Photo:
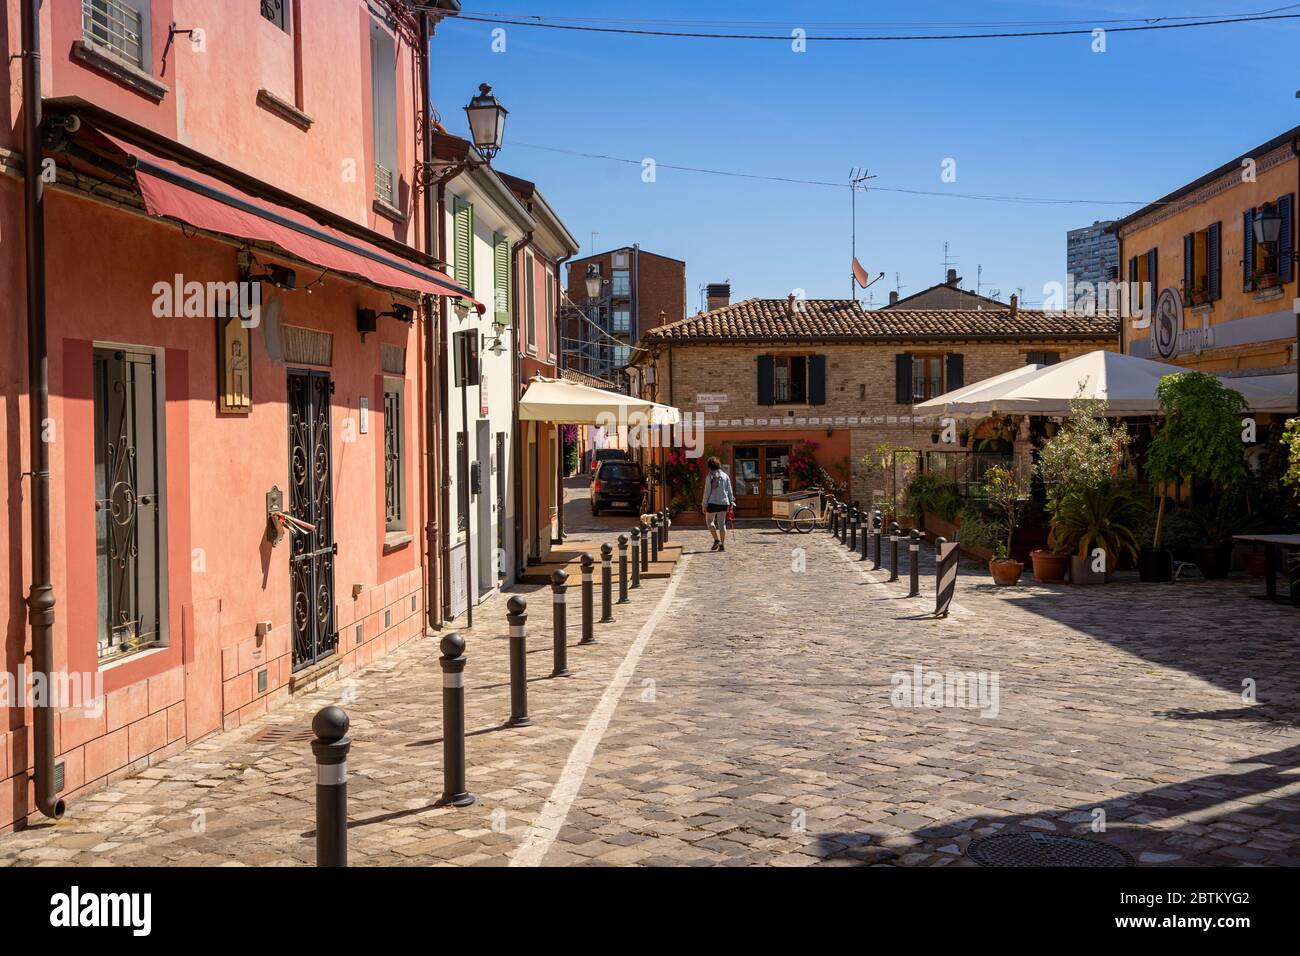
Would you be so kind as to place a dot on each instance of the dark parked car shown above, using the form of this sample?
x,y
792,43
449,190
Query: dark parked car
x,y
607,454
617,481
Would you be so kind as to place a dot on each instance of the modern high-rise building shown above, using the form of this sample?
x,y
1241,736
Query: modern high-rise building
x,y
635,291
1092,253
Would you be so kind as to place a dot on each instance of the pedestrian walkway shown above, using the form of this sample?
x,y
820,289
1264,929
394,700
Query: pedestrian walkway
x,y
770,705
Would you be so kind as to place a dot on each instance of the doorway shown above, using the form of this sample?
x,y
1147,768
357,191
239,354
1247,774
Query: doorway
x,y
311,499
487,539
758,473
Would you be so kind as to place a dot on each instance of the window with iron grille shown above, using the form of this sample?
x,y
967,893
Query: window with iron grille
x,y
119,26
394,486
129,525
277,11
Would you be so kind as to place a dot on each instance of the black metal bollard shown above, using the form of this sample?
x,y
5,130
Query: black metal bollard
x,y
517,618
453,662
832,511
560,625
866,536
893,551
667,521
588,599
606,583
622,569
636,556
645,550
914,563
654,539
854,521
876,533
331,748
844,525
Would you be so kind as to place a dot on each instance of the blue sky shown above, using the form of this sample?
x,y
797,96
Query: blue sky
x,y
1023,117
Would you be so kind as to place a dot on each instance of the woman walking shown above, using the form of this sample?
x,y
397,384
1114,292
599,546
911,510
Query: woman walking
x,y
718,498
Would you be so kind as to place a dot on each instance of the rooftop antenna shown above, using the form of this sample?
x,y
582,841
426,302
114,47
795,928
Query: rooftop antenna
x,y
856,178
948,260
594,234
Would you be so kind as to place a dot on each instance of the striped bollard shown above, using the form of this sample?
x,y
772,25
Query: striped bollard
x,y
560,623
914,563
622,569
636,556
893,551
588,599
517,619
331,748
453,662
946,555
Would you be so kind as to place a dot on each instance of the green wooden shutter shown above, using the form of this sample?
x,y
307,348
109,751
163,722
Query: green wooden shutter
x,y
1189,263
1248,250
463,243
1151,277
1213,257
903,378
1285,238
817,380
501,279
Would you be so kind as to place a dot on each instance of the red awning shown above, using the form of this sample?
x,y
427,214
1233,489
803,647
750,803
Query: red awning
x,y
172,189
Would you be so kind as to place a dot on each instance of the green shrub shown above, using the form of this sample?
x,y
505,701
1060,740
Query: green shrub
x,y
980,532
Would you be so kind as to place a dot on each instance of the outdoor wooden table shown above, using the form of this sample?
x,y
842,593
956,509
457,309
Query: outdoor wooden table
x,y
1273,543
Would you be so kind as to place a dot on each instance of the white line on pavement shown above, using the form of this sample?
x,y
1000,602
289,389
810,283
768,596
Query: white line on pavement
x,y
548,823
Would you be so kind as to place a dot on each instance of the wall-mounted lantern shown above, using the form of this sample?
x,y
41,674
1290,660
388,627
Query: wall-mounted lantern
x,y
487,121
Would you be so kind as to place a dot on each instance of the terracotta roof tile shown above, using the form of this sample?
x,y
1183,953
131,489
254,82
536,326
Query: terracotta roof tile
x,y
582,378
771,320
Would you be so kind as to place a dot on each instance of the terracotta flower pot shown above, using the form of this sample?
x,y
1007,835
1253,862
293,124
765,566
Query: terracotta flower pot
x,y
1081,571
1049,566
1005,573
1255,564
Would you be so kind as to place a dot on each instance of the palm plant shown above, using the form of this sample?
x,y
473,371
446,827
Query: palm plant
x,y
1104,516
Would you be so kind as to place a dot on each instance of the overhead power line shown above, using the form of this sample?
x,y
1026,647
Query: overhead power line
x,y
531,21
985,197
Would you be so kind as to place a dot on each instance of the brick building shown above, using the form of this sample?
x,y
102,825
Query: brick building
x,y
945,295
769,374
639,291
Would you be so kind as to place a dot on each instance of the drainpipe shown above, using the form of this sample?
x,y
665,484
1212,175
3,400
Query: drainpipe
x,y
436,447
559,434
40,599
521,441
444,480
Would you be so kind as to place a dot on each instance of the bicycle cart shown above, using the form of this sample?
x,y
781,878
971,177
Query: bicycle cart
x,y
799,511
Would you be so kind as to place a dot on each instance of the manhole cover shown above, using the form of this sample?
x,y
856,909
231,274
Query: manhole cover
x,y
1045,849
279,735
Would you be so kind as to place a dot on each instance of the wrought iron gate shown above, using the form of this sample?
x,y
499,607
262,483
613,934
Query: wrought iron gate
x,y
311,559
128,483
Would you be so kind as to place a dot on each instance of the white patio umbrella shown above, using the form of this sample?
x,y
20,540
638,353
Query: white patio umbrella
x,y
1125,382
947,403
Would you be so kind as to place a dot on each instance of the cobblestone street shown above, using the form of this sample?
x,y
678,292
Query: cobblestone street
x,y
744,712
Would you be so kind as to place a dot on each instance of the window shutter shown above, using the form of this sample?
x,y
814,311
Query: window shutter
x,y
1189,262
501,279
765,396
1248,250
463,243
1213,267
1151,277
956,376
903,378
1285,239
817,380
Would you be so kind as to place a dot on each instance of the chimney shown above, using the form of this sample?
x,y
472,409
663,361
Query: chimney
x,y
1015,304
789,304
719,295
953,278
893,297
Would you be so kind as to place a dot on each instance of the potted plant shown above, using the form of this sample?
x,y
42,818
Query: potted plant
x,y
963,437
1200,438
1265,280
1084,452
1098,517
1007,491
934,437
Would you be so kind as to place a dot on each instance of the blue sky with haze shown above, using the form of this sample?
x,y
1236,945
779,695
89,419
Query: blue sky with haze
x,y
1043,117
